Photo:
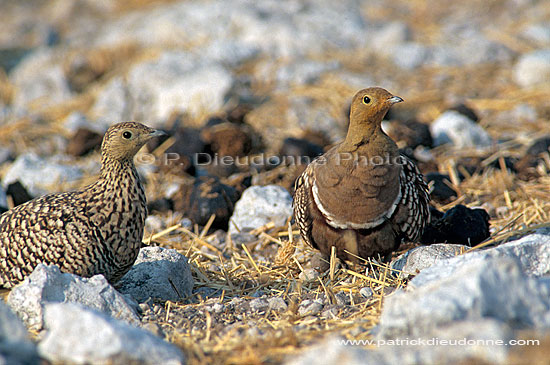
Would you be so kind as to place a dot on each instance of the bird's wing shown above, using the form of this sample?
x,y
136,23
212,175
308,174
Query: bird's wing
x,y
415,197
301,205
359,194
36,232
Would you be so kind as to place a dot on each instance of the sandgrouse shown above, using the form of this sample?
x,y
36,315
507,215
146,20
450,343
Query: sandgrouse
x,y
362,196
96,230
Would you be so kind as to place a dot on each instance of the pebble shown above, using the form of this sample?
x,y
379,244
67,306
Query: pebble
x,y
450,227
260,205
310,307
29,170
108,341
459,130
366,292
159,273
533,68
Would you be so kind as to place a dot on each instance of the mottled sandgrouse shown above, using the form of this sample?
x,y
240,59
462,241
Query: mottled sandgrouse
x,y
362,196
96,230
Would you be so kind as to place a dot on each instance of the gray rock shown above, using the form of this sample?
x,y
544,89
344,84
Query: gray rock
x,y
5,154
40,81
410,55
260,205
305,114
298,72
419,258
310,307
470,341
15,347
457,129
77,120
531,251
158,273
259,304
533,68
280,29
113,103
48,284
277,304
177,82
366,292
538,33
335,351
228,52
40,175
390,35
309,274
107,341
3,198
480,289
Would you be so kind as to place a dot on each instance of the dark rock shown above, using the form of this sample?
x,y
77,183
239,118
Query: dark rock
x,y
18,193
541,145
10,57
204,196
410,133
466,111
160,205
83,69
3,209
297,148
459,225
83,142
214,120
228,139
187,150
441,190
526,167
316,137
238,113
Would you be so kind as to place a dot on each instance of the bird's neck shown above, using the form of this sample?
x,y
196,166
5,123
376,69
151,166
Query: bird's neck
x,y
359,134
115,172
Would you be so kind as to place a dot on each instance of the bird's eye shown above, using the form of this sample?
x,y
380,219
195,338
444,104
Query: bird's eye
x,y
366,99
127,135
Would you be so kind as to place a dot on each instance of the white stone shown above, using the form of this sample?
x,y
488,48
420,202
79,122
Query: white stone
x,y
47,284
39,81
158,273
15,346
113,104
460,131
533,68
480,289
419,258
79,335
260,205
531,251
177,82
40,175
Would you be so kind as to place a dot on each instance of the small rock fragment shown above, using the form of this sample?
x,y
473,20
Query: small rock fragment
x,y
159,273
260,205
460,225
108,341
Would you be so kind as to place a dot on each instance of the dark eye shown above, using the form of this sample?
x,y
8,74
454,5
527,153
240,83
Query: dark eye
x,y
366,99
127,135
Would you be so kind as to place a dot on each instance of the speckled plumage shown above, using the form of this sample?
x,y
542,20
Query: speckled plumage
x,y
96,230
362,196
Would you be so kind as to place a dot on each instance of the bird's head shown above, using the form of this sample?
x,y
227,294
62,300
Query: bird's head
x,y
370,105
123,140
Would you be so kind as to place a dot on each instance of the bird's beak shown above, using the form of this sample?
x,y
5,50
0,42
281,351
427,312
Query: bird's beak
x,y
395,99
157,133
